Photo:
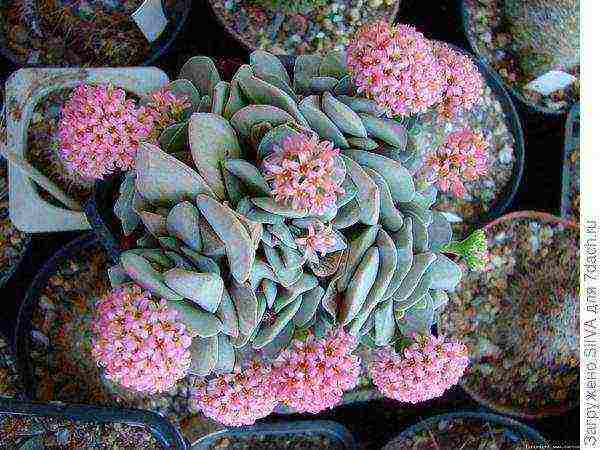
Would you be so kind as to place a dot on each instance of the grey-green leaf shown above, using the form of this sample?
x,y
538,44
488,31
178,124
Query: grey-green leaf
x,y
220,97
269,332
162,178
202,72
403,240
322,124
246,306
386,130
308,308
400,181
198,321
385,326
445,273
391,219
205,354
238,244
226,353
183,222
204,289
212,140
342,116
140,271
368,196
228,316
249,116
358,288
359,245
249,175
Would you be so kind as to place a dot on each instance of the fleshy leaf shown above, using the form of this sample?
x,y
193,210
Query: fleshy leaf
x,y
386,130
202,72
212,140
249,116
342,116
320,123
183,222
161,178
142,272
205,354
359,285
198,321
204,289
368,192
238,244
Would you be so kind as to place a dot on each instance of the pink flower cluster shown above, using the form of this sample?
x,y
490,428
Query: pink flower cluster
x,y
239,398
302,172
100,130
464,82
166,108
140,342
423,371
396,66
462,157
319,239
312,376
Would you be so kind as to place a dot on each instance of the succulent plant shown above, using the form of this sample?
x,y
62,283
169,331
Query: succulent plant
x,y
545,34
291,7
284,208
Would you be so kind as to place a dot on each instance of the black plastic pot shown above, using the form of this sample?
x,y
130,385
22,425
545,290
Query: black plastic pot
x,y
23,327
532,107
99,209
162,430
177,19
517,427
325,428
571,143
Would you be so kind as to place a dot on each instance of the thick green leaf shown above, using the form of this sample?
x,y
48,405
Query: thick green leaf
x,y
342,116
202,72
205,354
183,223
368,196
358,288
204,289
140,271
198,321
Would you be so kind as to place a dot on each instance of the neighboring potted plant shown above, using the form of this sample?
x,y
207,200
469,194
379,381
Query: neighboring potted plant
x,y
299,27
520,317
532,44
89,33
466,430
49,179
313,434
27,425
570,197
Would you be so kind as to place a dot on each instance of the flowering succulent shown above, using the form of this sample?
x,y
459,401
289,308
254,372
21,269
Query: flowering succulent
x,y
462,157
237,398
284,206
100,131
140,342
422,371
312,375
302,173
397,66
464,84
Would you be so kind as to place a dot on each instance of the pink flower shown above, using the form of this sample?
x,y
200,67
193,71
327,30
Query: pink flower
x,y
100,130
312,376
139,342
320,240
424,370
302,173
239,398
396,66
462,157
464,82
165,109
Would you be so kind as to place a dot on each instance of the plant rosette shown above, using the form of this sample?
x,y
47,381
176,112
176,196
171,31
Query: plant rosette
x,y
524,46
87,33
45,149
299,27
466,430
570,197
520,317
14,243
282,246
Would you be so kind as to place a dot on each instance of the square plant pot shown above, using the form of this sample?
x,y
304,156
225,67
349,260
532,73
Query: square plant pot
x,y
24,90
